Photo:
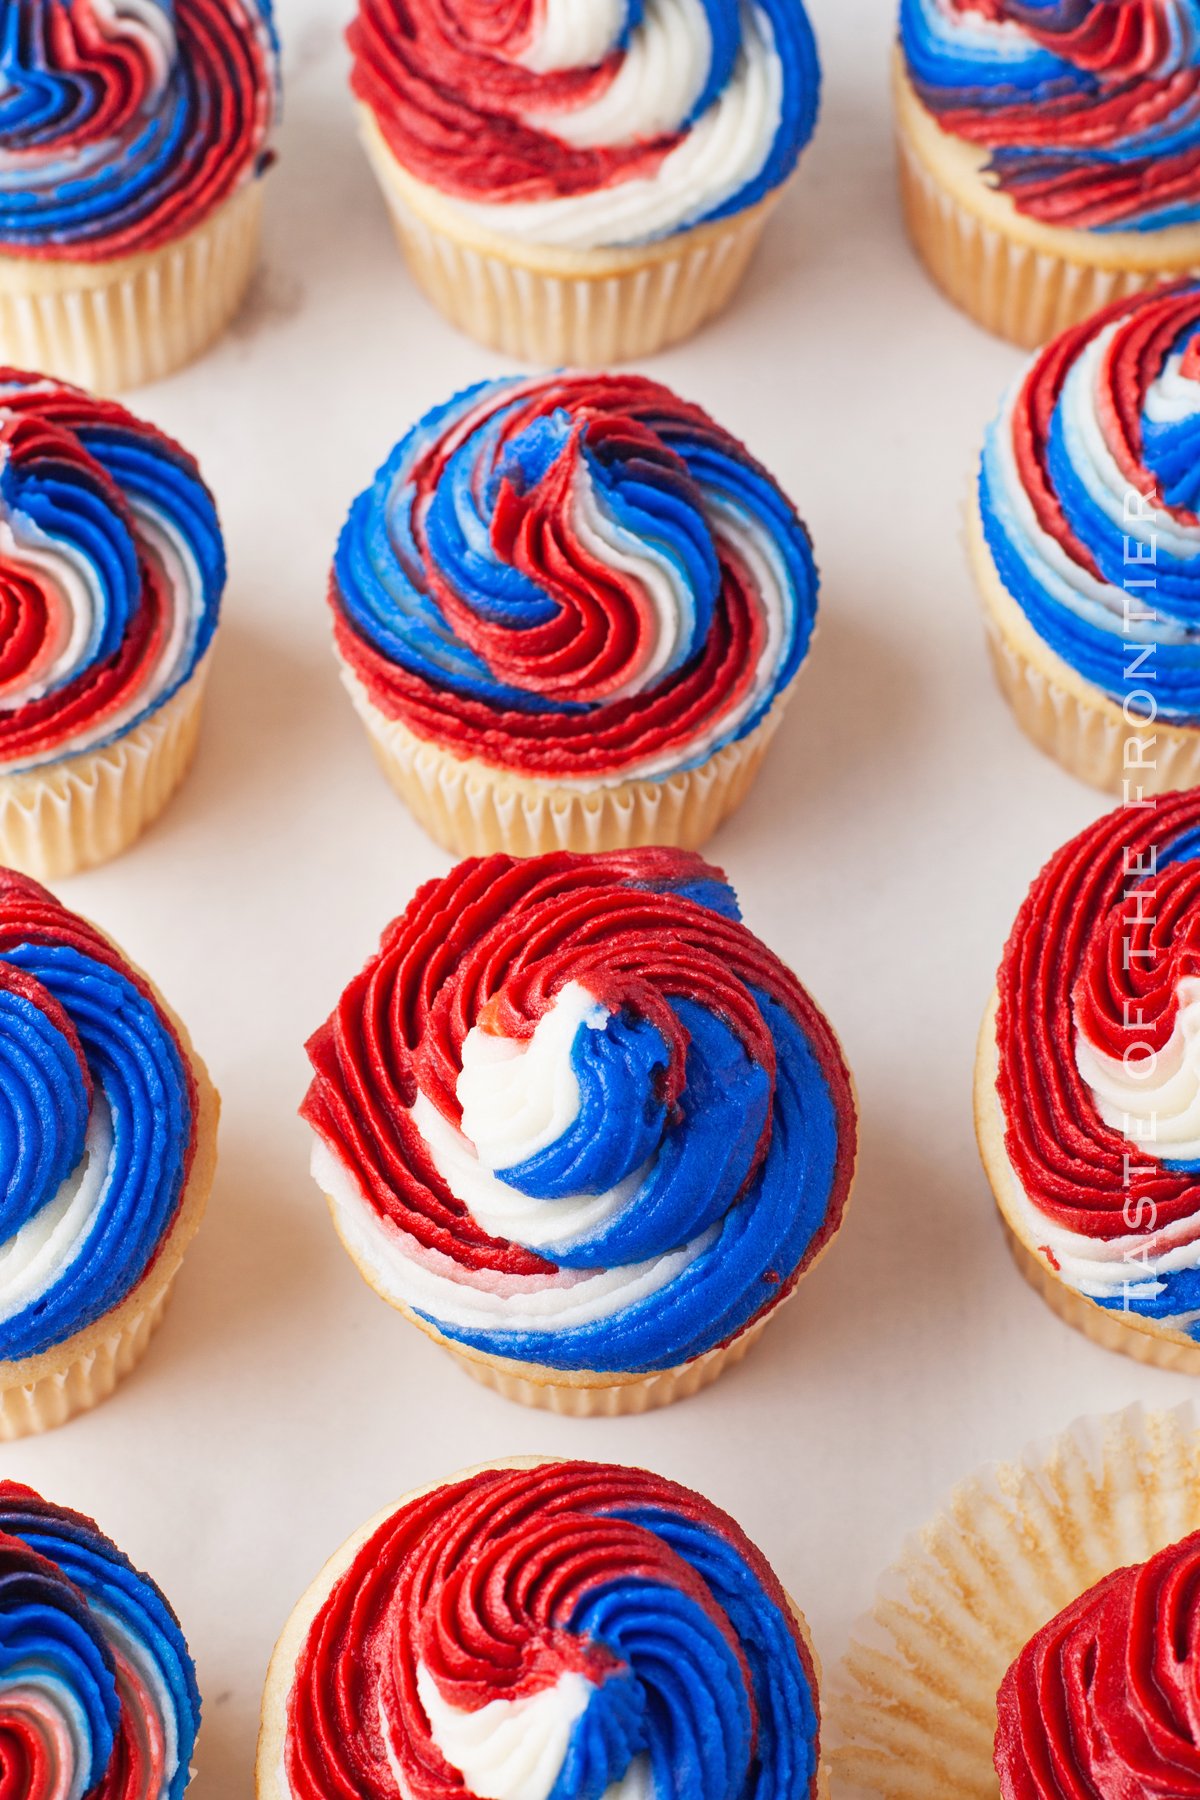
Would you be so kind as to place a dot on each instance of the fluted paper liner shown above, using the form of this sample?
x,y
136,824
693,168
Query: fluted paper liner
x,y
913,1707
40,1392
70,815
539,305
1146,1340
270,1782
1064,715
472,808
114,325
1017,277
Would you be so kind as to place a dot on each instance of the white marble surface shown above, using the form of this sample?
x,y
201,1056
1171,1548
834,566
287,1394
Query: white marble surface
x,y
884,853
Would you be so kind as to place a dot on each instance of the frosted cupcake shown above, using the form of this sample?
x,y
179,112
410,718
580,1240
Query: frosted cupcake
x,y
1085,546
1040,1638
106,1159
1049,153
132,142
1087,1083
582,181
98,1694
112,567
569,612
578,1124
544,1628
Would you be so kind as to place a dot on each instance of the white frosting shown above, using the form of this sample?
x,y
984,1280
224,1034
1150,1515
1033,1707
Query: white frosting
x,y
36,1257
719,155
1153,1100
520,1096
660,79
433,1284
574,34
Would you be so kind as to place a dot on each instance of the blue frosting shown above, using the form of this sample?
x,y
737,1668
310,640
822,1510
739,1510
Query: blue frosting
x,y
959,64
796,47
1099,641
681,1697
394,537
140,1080
61,1618
71,187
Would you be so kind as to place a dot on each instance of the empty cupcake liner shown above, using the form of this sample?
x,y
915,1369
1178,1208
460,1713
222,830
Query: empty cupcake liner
x,y
1031,282
1144,1339
913,1705
584,308
44,1391
473,809
1064,715
65,816
113,325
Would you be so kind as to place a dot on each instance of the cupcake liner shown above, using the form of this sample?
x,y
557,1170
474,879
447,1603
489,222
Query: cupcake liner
x,y
583,308
1064,715
1144,1339
913,1707
40,1392
70,815
270,1782
113,325
1028,282
473,809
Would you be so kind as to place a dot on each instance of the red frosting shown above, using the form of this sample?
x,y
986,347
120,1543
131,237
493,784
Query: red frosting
x,y
1104,1703
1108,930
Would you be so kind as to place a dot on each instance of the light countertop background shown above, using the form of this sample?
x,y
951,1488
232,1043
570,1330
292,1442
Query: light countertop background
x,y
883,853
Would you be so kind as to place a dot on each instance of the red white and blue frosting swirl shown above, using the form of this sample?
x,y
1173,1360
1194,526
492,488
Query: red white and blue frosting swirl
x,y
560,1632
98,1696
575,576
591,123
1089,110
1098,1035
574,1113
97,1122
1088,491
112,567
123,123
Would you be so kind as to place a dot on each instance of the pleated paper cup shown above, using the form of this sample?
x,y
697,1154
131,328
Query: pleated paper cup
x,y
1020,279
541,305
1146,1340
40,1392
70,815
114,325
1091,735
270,1779
913,1707
473,808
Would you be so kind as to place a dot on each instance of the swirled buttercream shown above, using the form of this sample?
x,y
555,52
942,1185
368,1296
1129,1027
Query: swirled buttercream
x,y
97,1123
590,125
577,577
123,123
574,1113
112,567
98,1697
561,1632
1088,493
1089,110
1099,1063
1104,1703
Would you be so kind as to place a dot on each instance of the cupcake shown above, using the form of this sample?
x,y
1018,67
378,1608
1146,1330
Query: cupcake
x,y
132,139
1085,546
1087,1083
98,1696
582,184
579,1125
111,573
1041,1638
538,1628
569,612
106,1160
1049,153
